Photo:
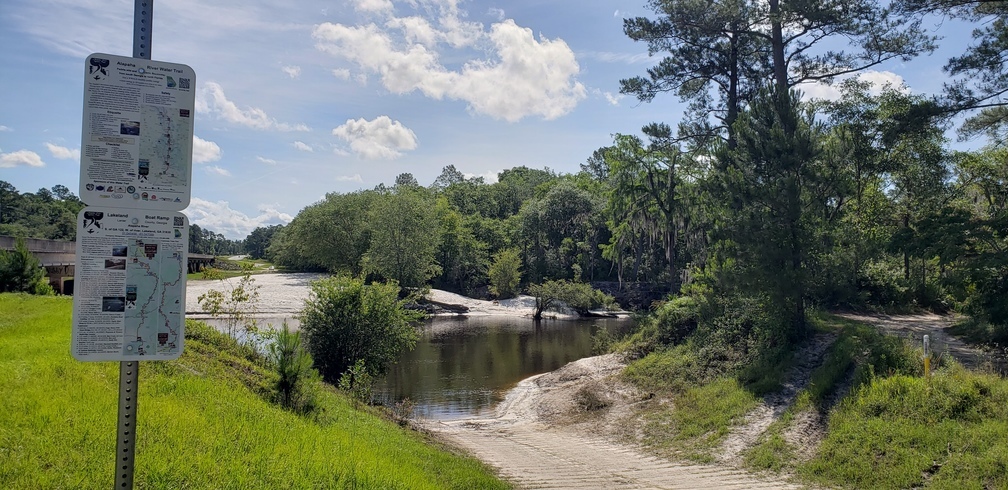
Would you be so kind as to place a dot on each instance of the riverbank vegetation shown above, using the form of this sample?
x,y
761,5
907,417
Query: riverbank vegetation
x,y
207,419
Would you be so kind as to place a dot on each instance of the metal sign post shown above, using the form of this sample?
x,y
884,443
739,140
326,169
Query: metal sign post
x,y
129,371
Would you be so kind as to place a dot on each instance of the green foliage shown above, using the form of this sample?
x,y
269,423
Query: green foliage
x,y
20,271
256,243
345,321
578,296
204,241
48,213
462,257
200,423
297,381
404,238
667,326
357,383
505,274
948,431
236,305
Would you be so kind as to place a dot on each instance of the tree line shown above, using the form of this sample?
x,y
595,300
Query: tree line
x,y
758,193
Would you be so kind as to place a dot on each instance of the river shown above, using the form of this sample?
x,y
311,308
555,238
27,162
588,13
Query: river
x,y
461,366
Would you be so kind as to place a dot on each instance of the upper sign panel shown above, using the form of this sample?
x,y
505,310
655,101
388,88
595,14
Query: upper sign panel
x,y
136,143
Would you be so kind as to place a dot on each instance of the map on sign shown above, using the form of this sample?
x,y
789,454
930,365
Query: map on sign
x,y
165,148
129,293
154,304
137,133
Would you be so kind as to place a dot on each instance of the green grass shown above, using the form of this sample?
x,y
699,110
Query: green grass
x,y
902,431
203,421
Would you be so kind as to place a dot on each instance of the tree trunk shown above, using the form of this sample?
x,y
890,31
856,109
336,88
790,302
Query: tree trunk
x,y
777,46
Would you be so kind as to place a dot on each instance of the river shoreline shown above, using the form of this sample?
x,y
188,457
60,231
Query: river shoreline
x,y
282,295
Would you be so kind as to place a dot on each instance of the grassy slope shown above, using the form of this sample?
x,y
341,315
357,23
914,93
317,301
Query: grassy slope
x,y
895,429
200,424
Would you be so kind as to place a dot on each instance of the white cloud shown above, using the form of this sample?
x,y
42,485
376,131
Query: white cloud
x,y
341,73
380,138
212,100
63,153
4,128
878,80
214,169
489,177
204,151
349,178
613,99
219,217
292,71
20,157
377,6
299,145
267,161
523,76
496,13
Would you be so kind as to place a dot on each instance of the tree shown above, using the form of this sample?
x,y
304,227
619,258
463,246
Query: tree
x,y
296,382
980,74
345,321
720,53
20,271
256,243
766,180
578,296
463,258
449,176
505,273
404,238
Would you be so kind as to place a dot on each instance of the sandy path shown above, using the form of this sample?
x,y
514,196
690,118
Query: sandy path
x,y
532,453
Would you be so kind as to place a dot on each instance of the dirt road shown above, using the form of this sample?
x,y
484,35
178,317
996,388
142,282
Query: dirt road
x,y
533,453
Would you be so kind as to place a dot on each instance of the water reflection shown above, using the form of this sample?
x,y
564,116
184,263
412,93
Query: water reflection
x,y
462,367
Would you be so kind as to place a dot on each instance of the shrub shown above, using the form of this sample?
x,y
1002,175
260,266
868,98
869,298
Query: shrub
x,y
20,271
505,274
357,383
297,384
345,321
236,306
578,296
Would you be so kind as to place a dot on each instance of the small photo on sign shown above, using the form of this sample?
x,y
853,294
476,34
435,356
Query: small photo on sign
x,y
119,251
113,303
115,264
131,128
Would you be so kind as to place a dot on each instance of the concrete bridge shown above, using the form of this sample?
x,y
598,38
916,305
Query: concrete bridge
x,y
58,259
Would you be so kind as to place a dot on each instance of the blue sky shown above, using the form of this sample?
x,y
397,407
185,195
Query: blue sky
x,y
297,99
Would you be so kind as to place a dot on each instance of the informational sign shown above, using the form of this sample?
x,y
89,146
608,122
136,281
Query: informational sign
x,y
136,143
129,296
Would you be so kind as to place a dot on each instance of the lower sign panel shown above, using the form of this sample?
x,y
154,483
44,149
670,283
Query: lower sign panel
x,y
130,275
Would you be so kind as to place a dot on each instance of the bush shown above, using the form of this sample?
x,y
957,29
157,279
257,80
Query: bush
x,y
505,274
20,271
345,321
297,384
357,383
578,296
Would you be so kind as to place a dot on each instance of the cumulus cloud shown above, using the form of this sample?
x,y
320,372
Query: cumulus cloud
x,y
300,145
212,100
267,161
219,217
214,169
21,157
521,76
204,151
612,98
292,71
380,138
349,178
376,6
877,79
63,153
489,177
341,73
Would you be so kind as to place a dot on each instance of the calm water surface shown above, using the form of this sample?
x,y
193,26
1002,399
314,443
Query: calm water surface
x,y
463,366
